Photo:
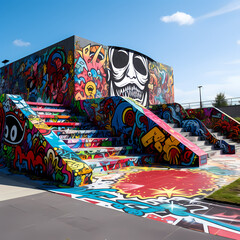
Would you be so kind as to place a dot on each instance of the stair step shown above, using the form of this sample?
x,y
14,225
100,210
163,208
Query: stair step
x,y
193,138
93,142
53,116
50,110
179,130
63,124
70,126
60,117
201,144
63,134
173,125
214,132
186,134
100,152
44,104
207,148
198,141
112,163
116,162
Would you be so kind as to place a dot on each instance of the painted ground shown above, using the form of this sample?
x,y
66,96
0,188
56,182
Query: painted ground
x,y
174,196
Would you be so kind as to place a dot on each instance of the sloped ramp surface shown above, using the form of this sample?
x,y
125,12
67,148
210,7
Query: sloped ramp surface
x,y
29,145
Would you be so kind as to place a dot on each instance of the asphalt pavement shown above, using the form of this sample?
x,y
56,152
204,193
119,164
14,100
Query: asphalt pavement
x,y
29,213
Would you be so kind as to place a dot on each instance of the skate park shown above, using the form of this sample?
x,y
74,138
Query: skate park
x,y
99,124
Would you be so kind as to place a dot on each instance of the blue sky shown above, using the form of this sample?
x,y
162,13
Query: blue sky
x,y
200,39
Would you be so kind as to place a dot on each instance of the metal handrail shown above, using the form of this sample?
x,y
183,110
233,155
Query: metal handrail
x,y
209,103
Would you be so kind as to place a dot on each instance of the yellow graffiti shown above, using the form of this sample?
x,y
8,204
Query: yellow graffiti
x,y
124,113
78,167
90,89
156,136
38,122
53,159
170,146
87,52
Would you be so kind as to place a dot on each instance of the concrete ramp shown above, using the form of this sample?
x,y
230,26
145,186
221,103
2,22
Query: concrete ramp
x,y
29,145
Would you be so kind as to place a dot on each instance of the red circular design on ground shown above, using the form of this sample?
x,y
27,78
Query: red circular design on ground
x,y
165,183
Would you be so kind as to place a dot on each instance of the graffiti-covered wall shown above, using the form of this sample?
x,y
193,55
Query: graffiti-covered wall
x,y
217,120
90,75
45,76
175,113
102,71
77,69
27,144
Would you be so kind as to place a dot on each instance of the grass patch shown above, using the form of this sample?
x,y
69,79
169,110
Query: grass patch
x,y
229,193
237,118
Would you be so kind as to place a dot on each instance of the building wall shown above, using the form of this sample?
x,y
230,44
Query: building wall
x,y
90,75
102,71
77,69
45,76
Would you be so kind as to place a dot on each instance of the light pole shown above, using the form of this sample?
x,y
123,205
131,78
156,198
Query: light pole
x,y
200,96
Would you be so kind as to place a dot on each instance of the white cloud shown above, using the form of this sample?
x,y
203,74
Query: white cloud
x,y
21,43
185,19
233,6
238,42
179,17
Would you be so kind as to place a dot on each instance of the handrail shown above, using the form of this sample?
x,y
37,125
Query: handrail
x,y
209,103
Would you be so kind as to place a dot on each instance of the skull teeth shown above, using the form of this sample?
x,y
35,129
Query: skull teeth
x,y
130,91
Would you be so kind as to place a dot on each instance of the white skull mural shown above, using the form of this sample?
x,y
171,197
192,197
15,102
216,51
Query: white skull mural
x,y
129,75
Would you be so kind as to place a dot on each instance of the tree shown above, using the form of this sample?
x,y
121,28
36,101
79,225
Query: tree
x,y
220,100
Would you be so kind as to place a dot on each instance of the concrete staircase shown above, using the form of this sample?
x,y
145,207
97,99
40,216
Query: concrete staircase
x,y
197,140
97,148
229,141
210,142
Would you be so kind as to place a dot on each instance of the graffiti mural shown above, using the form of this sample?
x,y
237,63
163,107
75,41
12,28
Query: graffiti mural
x,y
77,69
142,130
45,76
111,71
215,119
59,73
161,88
175,113
129,75
171,196
29,145
90,76
136,76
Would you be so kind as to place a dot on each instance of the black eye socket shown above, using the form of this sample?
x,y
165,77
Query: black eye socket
x,y
120,58
14,132
139,65
99,57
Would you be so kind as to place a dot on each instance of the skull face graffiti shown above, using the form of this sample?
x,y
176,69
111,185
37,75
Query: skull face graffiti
x,y
129,75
